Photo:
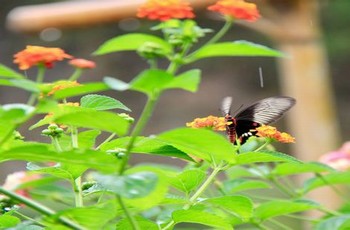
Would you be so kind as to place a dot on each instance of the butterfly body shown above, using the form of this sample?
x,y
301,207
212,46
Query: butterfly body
x,y
241,126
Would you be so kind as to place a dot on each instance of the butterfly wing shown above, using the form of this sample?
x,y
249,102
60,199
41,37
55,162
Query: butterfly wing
x,y
262,112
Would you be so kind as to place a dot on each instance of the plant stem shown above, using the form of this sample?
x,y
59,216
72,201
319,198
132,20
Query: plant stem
x,y
40,208
198,193
78,193
268,141
105,141
281,187
39,79
131,219
76,74
280,225
141,123
56,143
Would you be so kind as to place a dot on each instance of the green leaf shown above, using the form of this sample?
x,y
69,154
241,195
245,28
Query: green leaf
x,y
292,168
325,180
282,207
129,186
151,81
157,195
237,48
204,144
56,171
187,81
239,205
6,72
43,153
200,217
91,217
86,118
132,41
101,102
240,184
87,138
7,221
81,90
266,156
146,145
335,222
142,222
188,180
25,84
116,84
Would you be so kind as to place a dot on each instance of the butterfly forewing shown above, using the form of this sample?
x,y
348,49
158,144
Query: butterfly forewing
x,y
266,111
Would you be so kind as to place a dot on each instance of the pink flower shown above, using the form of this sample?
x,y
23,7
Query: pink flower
x,y
339,159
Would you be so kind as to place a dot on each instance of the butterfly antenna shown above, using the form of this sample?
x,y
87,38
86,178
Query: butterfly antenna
x,y
239,108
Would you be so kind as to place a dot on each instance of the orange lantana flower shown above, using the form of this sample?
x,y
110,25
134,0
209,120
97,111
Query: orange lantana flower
x,y
215,123
82,63
164,10
61,85
236,9
35,55
271,132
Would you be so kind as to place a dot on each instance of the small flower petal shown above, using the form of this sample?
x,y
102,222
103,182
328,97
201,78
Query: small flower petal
x,y
271,132
164,10
82,63
215,123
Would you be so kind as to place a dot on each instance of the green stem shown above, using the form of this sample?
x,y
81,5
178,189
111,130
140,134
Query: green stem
x,y
39,79
40,208
78,192
282,188
56,143
140,125
131,219
268,141
197,194
76,74
280,225
335,189
105,141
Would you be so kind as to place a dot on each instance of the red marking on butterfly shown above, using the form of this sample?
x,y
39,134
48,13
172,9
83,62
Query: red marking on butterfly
x,y
262,112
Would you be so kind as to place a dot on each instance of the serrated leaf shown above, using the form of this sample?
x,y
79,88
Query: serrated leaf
x,y
87,138
6,72
131,186
204,144
237,48
101,102
239,205
188,180
43,153
92,87
326,180
54,171
146,145
282,207
266,156
292,168
200,217
132,41
240,184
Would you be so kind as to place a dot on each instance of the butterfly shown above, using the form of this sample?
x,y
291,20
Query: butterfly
x,y
262,112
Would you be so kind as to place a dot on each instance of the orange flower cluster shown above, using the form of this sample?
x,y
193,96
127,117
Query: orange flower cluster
x,y
271,132
82,63
36,55
215,123
62,85
164,10
236,9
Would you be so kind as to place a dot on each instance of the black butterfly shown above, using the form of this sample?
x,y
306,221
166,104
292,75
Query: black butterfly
x,y
262,112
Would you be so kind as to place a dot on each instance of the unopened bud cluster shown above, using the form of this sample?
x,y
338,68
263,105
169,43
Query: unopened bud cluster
x,y
52,131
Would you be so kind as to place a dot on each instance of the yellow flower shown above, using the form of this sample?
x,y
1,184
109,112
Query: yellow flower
x,y
215,123
164,10
271,132
35,55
